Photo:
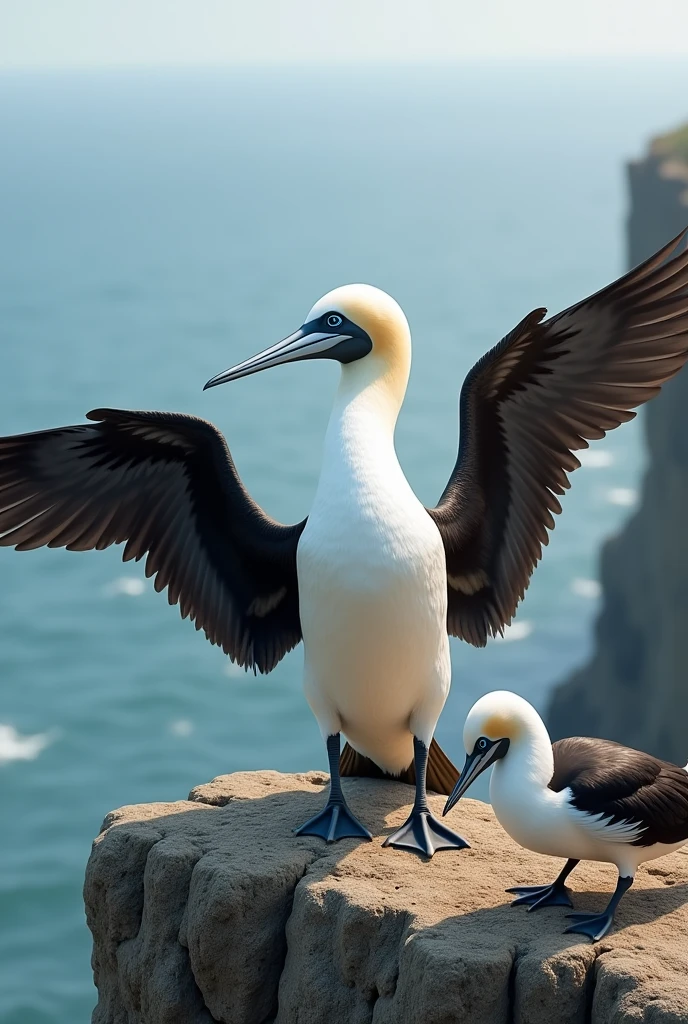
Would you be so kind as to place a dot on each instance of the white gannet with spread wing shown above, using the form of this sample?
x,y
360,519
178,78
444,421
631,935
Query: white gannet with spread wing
x,y
372,581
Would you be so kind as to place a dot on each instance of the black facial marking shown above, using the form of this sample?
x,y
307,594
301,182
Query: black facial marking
x,y
356,342
351,349
496,748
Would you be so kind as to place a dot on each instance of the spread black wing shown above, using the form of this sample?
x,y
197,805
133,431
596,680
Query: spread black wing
x,y
545,390
166,485
623,785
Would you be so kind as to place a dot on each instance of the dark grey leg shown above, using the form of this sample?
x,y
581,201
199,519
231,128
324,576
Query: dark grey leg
x,y
597,925
554,895
422,832
335,821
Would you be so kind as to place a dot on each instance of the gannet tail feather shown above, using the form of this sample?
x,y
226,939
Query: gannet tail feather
x,y
442,775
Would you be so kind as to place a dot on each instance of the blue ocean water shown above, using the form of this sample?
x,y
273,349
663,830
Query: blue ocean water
x,y
157,227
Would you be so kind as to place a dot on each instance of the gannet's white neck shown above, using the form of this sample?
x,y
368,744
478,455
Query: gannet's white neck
x,y
372,387
371,392
360,471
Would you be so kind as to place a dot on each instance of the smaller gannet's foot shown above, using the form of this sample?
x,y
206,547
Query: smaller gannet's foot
x,y
423,833
536,896
595,926
334,822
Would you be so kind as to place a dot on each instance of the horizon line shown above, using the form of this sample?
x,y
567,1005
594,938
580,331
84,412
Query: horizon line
x,y
381,63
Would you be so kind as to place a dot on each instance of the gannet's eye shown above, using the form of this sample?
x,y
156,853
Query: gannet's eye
x,y
334,320
482,744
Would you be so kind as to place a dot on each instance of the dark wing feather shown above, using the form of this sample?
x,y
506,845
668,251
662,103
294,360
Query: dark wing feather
x,y
166,486
544,391
624,785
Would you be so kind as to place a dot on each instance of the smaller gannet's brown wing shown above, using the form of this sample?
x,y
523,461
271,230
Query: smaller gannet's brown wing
x,y
165,485
545,390
620,794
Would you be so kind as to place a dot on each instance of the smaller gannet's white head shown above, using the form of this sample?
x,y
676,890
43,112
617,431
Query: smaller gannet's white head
x,y
352,324
498,722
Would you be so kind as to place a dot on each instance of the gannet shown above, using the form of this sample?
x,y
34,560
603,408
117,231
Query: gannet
x,y
579,798
372,581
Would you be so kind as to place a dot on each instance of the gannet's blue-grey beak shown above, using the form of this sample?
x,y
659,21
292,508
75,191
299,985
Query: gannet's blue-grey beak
x,y
485,752
318,339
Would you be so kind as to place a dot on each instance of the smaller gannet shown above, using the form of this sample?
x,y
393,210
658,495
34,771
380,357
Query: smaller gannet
x,y
579,798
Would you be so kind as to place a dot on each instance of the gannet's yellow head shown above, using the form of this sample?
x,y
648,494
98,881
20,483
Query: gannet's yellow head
x,y
494,723
350,324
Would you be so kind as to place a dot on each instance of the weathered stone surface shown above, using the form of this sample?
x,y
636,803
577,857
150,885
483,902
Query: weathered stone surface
x,y
210,909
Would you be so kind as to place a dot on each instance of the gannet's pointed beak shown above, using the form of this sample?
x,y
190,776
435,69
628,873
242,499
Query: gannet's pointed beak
x,y
345,343
476,763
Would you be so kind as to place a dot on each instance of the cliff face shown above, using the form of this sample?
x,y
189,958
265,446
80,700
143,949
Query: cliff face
x,y
635,688
658,186
211,910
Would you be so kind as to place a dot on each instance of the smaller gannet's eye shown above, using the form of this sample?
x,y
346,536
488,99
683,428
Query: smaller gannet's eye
x,y
334,320
482,744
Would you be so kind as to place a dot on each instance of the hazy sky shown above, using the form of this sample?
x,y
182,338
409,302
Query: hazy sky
x,y
67,33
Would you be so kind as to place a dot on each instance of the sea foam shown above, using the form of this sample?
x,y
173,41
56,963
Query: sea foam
x,y
15,747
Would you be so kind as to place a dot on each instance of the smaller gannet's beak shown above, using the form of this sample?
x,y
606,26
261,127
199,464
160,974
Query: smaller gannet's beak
x,y
309,342
476,764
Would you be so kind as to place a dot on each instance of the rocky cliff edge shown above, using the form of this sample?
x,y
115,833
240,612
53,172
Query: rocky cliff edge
x,y
209,909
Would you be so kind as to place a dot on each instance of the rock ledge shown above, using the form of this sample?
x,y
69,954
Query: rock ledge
x,y
209,909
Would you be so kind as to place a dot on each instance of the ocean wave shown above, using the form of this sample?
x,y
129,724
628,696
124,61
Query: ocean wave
x,y
235,671
516,631
182,727
129,586
15,747
625,496
586,588
594,458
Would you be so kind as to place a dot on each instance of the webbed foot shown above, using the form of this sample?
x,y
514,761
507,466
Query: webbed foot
x,y
424,834
334,822
537,896
595,926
